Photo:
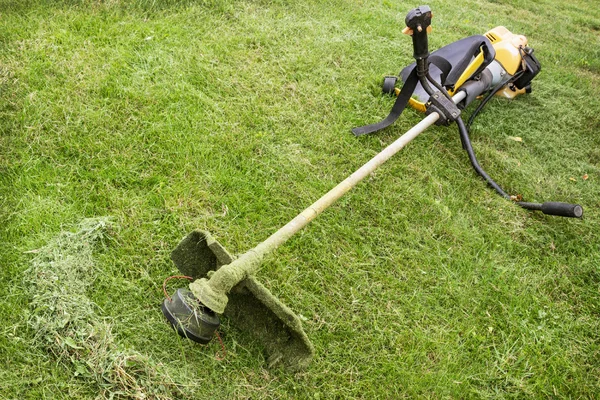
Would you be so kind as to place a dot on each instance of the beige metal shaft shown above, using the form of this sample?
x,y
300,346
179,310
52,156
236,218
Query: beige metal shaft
x,y
229,275
342,188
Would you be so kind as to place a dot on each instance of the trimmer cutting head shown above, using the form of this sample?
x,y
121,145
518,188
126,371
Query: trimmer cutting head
x,y
251,307
189,317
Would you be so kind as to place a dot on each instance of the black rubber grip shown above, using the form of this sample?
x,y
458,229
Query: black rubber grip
x,y
419,20
562,209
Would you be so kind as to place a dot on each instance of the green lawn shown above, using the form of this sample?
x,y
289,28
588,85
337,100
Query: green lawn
x,y
233,116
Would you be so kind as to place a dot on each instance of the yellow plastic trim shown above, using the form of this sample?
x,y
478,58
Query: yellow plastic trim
x,y
468,72
509,93
507,46
417,105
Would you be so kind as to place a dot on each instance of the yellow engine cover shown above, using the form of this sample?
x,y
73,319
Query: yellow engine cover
x,y
508,54
507,46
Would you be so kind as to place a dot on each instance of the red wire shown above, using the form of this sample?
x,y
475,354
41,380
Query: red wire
x,y
224,352
174,277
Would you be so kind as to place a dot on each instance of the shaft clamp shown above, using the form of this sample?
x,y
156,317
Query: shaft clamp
x,y
445,107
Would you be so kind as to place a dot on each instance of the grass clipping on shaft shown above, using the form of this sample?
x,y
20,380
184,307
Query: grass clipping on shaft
x,y
66,322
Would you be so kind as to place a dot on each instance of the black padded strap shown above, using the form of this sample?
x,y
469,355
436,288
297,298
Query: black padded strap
x,y
401,101
462,65
443,65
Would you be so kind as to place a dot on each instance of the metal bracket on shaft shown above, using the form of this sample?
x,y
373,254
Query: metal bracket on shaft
x,y
445,107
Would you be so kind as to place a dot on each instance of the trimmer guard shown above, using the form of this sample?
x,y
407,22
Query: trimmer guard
x,y
251,307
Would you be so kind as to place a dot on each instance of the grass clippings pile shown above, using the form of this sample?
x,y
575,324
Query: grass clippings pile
x,y
67,323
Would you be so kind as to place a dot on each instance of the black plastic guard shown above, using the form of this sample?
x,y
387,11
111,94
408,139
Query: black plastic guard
x,y
251,307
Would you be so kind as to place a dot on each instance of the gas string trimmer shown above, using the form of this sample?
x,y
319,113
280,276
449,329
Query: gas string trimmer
x,y
442,84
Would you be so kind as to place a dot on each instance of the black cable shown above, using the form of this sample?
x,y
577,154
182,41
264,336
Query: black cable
x,y
424,76
438,86
422,72
495,90
548,208
466,142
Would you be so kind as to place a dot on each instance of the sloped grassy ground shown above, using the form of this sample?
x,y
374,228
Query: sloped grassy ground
x,y
232,116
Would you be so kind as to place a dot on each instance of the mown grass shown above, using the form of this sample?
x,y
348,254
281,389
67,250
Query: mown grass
x,y
232,116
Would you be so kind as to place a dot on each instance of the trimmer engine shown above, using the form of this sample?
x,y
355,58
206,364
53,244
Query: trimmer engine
x,y
503,63
449,79
514,58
